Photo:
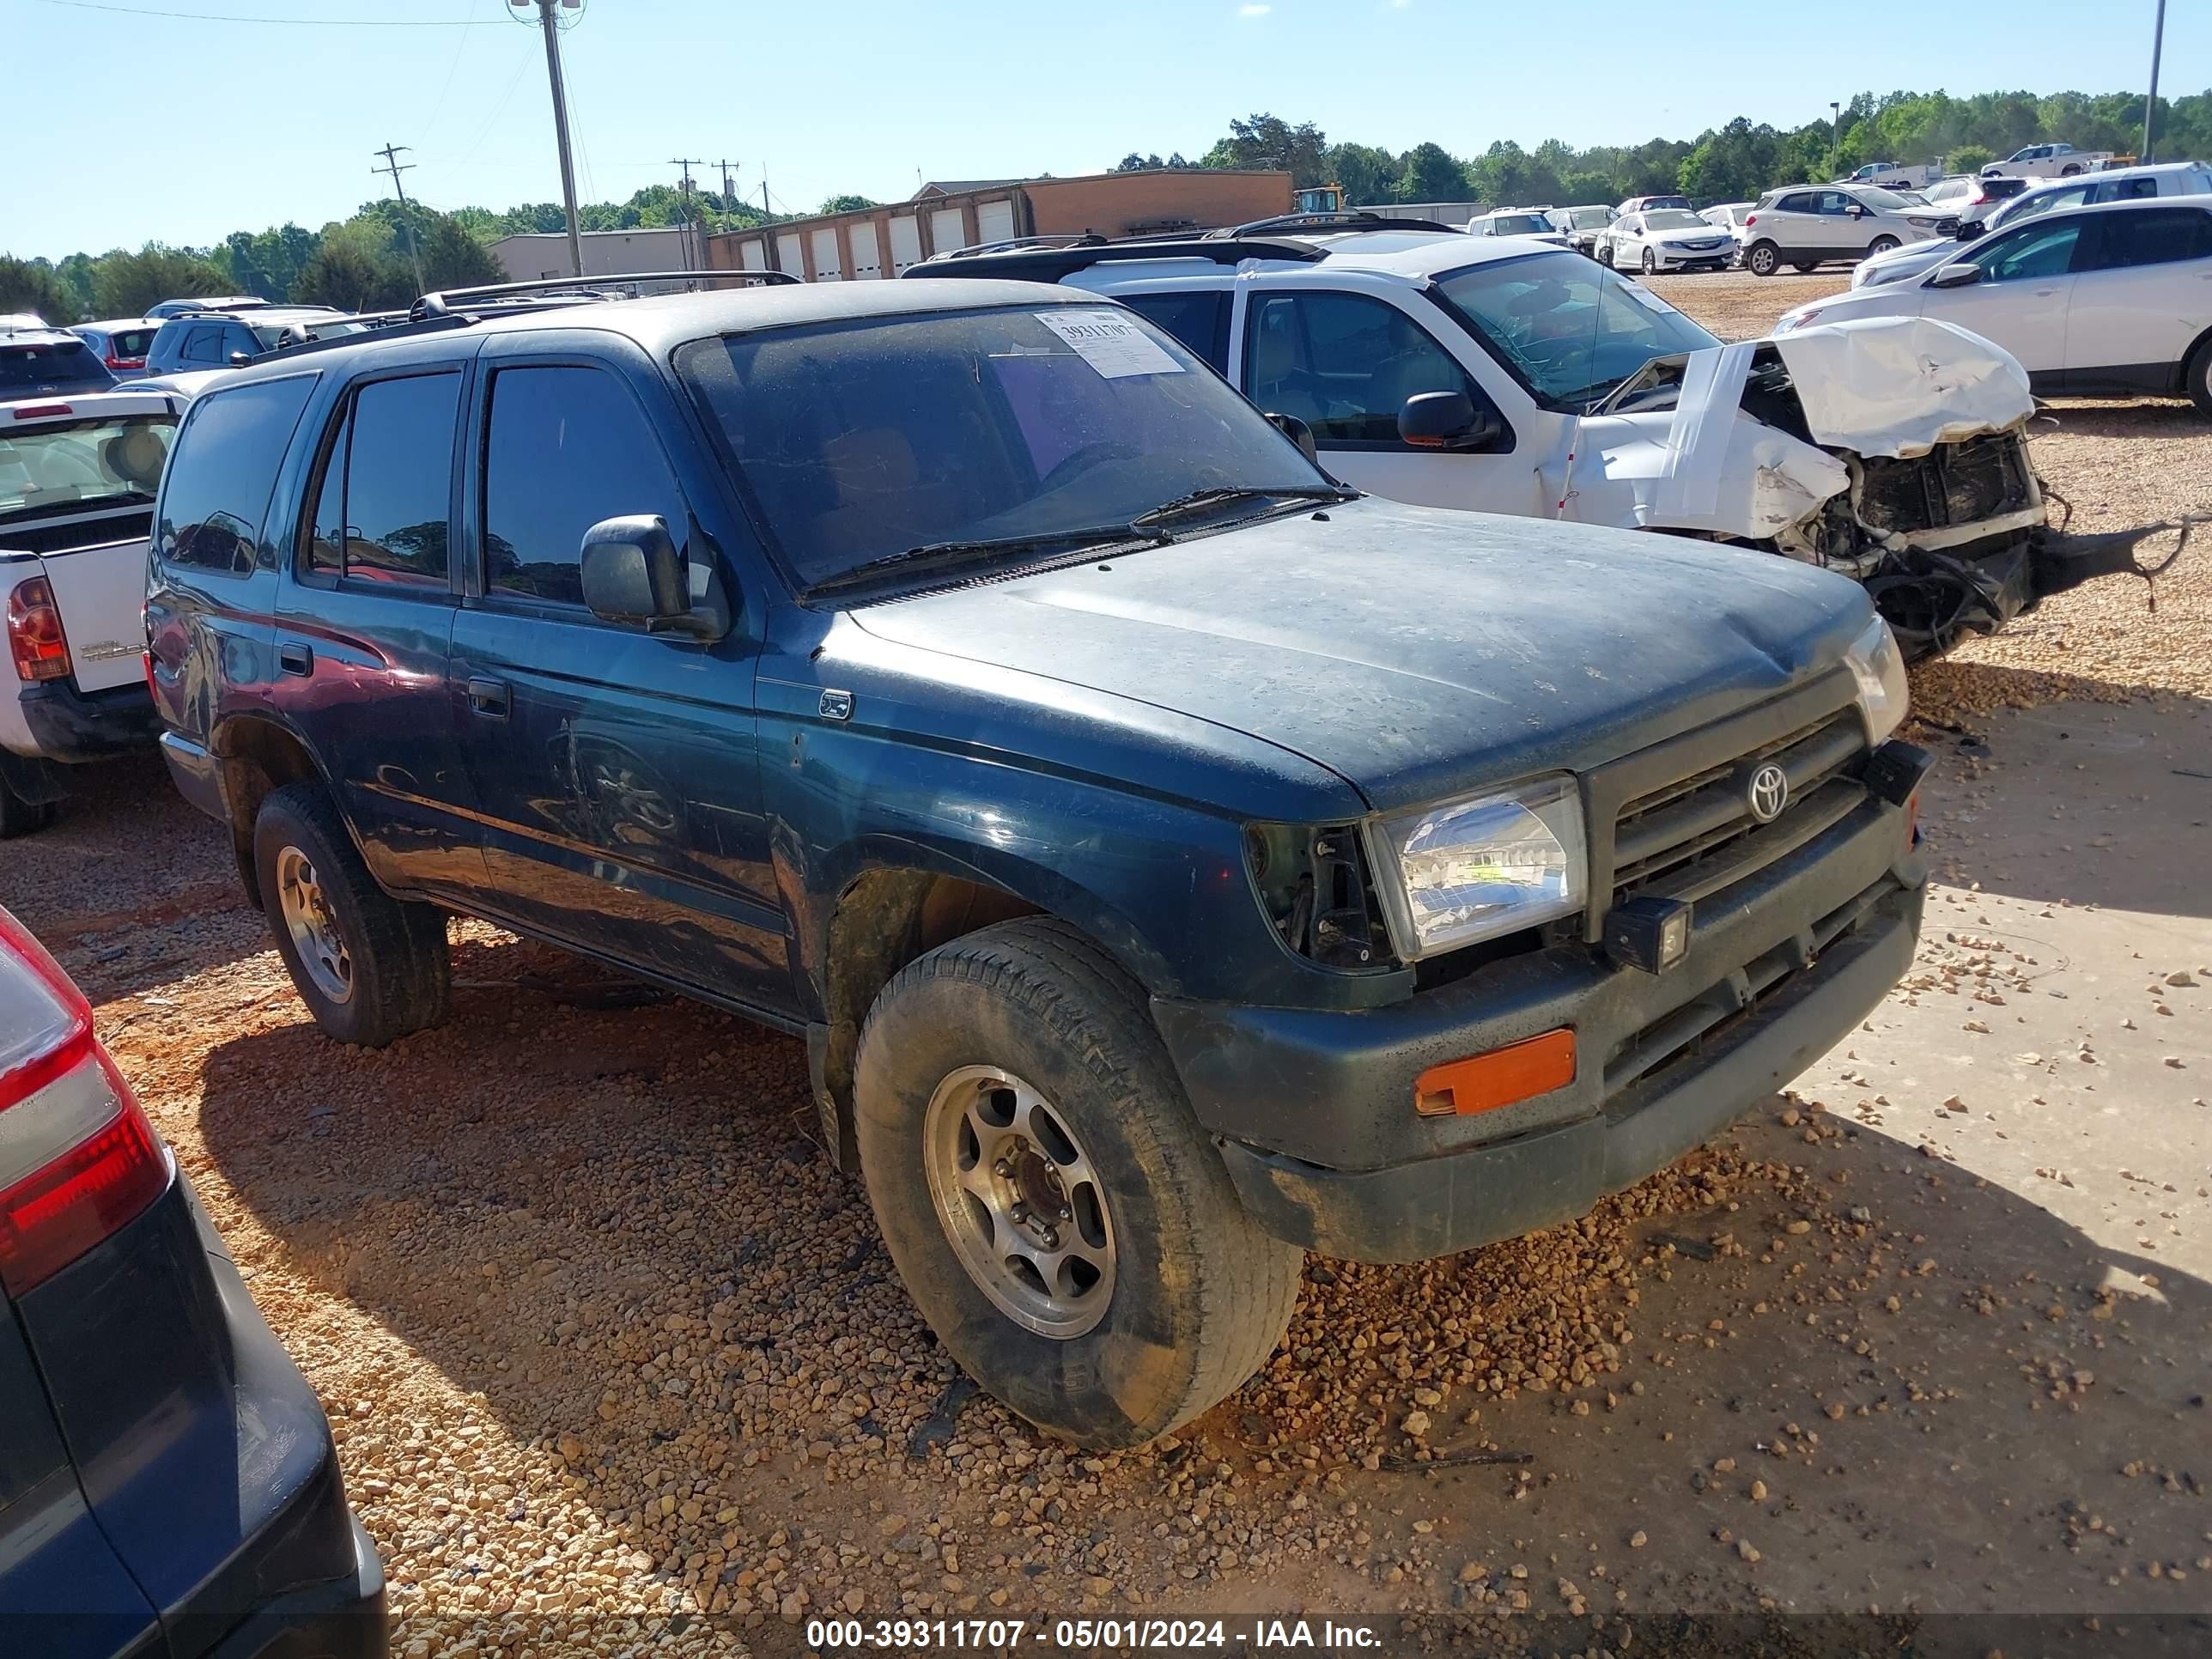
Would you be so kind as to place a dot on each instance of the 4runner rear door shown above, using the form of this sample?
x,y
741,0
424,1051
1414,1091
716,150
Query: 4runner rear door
x,y
616,770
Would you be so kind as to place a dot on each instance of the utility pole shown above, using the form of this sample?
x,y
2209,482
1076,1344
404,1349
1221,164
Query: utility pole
x,y
2150,104
729,196
392,152
690,213
546,20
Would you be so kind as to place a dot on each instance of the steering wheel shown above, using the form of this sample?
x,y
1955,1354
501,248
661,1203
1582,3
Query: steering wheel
x,y
1077,461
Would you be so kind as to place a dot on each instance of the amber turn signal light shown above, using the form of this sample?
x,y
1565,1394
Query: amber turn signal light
x,y
1483,1083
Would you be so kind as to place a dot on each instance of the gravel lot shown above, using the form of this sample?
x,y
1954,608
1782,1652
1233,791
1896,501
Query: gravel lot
x,y
617,1364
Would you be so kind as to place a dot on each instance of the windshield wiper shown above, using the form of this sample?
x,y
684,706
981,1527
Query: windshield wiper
x,y
1218,495
937,555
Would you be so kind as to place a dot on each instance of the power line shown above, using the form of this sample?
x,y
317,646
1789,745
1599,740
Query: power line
x,y
294,22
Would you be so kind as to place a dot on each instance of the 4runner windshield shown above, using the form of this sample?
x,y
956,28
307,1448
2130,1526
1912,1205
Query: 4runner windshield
x,y
993,436
85,463
1569,328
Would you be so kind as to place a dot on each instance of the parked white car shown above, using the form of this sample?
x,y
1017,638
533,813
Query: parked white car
x,y
1582,395
1533,224
2120,184
1644,204
2114,300
1666,238
78,474
1583,227
1893,177
1727,215
2047,162
1804,225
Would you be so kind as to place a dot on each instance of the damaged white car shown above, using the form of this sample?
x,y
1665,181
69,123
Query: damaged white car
x,y
1534,381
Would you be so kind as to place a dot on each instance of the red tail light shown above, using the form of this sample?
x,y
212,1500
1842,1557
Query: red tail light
x,y
78,1158
35,639
1749,220
127,362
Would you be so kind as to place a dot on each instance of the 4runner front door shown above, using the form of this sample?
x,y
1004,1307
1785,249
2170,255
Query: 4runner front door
x,y
1345,362
617,769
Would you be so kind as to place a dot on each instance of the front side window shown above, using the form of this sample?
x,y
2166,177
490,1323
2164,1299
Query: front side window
x,y
1832,204
213,495
1571,329
384,503
2038,251
203,343
1345,364
861,440
566,447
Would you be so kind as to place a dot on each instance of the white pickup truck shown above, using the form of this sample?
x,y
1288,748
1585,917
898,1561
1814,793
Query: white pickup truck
x,y
78,476
2048,161
1890,176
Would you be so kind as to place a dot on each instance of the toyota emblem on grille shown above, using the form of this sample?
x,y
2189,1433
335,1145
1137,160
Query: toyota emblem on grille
x,y
1768,792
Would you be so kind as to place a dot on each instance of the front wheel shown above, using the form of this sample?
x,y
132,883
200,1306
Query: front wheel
x,y
2198,378
1650,262
1880,245
1603,255
370,968
1764,258
1050,1200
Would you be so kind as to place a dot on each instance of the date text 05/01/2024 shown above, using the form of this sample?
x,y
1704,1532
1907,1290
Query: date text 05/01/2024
x,y
1006,1635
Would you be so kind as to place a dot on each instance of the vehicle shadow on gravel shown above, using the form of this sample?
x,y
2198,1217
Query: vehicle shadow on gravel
x,y
613,1223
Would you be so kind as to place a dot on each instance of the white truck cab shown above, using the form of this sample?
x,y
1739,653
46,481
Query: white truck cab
x,y
78,477
2047,162
1587,397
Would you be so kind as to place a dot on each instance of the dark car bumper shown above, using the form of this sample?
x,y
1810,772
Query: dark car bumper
x,y
342,1618
1314,1112
72,726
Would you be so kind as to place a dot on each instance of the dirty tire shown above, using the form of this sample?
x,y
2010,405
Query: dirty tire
x,y
1763,260
19,816
2199,377
1880,245
1200,1295
401,975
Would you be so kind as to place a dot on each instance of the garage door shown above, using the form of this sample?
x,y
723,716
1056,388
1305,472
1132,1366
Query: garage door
x,y
994,222
755,256
790,255
828,268
868,262
946,231
906,244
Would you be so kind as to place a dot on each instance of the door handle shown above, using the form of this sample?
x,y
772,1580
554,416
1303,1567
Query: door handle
x,y
295,659
489,698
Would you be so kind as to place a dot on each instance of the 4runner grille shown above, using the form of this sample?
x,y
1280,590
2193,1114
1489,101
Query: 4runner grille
x,y
1692,837
1956,484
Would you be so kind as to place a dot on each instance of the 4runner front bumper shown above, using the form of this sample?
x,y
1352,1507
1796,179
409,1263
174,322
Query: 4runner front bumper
x,y
1314,1110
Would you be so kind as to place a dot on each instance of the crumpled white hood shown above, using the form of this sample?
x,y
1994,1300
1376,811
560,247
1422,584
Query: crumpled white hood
x,y
1900,386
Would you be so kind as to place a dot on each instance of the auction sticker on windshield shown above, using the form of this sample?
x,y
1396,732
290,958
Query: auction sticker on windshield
x,y
1111,343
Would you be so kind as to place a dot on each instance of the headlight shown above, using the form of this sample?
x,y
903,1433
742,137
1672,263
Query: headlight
x,y
1472,869
1879,667
1925,224
1790,320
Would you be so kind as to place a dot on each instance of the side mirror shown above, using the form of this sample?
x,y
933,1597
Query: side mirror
x,y
634,574
240,359
1445,420
1964,274
1299,433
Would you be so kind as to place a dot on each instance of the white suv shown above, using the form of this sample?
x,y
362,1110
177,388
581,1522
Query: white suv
x,y
1806,224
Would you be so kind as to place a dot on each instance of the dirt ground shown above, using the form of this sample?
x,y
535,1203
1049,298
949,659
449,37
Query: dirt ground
x,y
617,1364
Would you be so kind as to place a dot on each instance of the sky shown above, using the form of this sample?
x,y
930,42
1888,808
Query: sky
x,y
232,125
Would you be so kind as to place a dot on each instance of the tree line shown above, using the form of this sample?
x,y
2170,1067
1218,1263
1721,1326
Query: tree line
x,y
362,263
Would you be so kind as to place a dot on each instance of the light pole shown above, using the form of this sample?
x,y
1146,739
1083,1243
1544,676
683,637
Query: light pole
x,y
1836,127
546,20
2150,104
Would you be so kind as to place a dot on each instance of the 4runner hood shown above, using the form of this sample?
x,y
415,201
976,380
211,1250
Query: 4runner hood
x,y
1900,386
1414,652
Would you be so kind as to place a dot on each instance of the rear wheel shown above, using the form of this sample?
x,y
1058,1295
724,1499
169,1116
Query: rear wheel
x,y
1056,1213
1763,258
19,816
1802,266
2198,375
370,968
1880,245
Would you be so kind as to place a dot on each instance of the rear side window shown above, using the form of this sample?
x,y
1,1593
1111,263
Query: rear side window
x,y
1199,319
2150,236
1801,203
384,504
218,483
567,447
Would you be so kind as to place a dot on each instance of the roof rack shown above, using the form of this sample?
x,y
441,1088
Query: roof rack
x,y
1079,238
1351,219
446,301
1049,264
